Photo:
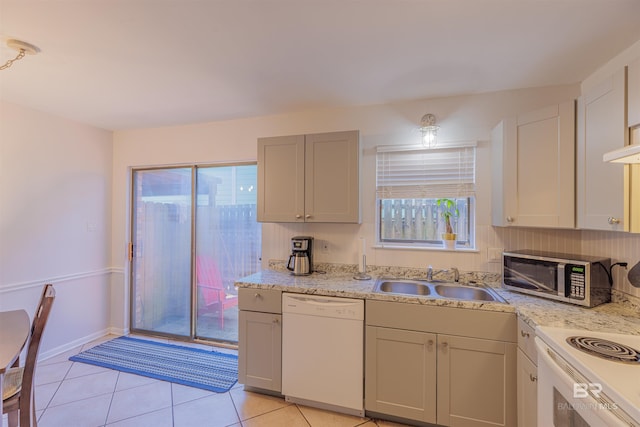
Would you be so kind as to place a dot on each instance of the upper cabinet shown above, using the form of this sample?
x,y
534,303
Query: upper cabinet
x,y
601,127
533,178
309,178
281,179
633,99
632,172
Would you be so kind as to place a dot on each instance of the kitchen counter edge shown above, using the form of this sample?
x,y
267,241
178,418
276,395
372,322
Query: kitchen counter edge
x,y
535,311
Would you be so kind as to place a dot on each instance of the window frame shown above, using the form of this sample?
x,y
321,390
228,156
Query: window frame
x,y
469,244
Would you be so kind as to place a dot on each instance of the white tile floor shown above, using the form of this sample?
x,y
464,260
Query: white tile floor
x,y
72,394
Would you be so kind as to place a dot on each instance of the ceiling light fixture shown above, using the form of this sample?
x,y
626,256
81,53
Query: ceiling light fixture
x,y
23,49
429,130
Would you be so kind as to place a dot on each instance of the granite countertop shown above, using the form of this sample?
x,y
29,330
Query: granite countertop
x,y
618,317
614,317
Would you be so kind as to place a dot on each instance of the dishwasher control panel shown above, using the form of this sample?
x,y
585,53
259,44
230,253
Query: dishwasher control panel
x,y
318,305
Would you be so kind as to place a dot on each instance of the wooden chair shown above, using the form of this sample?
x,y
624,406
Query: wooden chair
x,y
18,393
214,296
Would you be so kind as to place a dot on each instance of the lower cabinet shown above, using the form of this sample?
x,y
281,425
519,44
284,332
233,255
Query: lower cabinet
x,y
527,391
460,372
400,373
260,339
527,376
476,382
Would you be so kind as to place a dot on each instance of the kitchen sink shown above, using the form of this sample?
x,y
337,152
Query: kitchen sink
x,y
411,287
436,289
465,292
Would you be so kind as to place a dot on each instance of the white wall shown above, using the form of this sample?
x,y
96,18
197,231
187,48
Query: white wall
x,y
55,200
460,118
607,69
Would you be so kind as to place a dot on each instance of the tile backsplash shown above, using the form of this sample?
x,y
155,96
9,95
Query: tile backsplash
x,y
337,243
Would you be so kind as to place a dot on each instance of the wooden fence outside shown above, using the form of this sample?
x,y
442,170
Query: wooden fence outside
x,y
162,268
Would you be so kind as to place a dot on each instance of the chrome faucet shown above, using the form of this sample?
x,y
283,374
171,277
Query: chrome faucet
x,y
456,274
454,270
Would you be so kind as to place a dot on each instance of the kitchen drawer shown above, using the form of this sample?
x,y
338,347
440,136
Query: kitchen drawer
x,y
492,325
526,335
263,300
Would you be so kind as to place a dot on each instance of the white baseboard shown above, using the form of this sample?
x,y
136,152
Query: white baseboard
x,y
118,332
73,344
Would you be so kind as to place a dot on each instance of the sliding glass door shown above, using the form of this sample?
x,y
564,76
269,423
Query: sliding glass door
x,y
194,233
161,238
228,244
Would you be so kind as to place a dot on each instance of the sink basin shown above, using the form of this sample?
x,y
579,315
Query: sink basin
x,y
412,287
436,289
465,292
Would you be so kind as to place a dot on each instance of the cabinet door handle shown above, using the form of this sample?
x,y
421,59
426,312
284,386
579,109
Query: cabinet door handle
x,y
524,334
611,220
307,216
533,378
298,216
445,345
509,219
276,321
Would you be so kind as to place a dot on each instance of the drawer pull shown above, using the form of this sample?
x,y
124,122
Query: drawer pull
x,y
533,378
524,334
257,296
611,220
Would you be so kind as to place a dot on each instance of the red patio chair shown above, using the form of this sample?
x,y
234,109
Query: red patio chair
x,y
213,294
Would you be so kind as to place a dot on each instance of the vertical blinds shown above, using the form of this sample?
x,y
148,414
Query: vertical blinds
x,y
416,172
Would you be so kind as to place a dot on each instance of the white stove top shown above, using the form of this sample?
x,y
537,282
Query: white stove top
x,y
620,381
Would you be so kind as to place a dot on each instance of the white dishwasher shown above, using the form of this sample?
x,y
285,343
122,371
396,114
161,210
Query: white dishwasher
x,y
322,352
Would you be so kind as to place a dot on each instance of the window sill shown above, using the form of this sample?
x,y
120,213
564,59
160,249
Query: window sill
x,y
426,248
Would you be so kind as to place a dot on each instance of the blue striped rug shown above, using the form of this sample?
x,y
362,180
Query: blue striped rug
x,y
209,370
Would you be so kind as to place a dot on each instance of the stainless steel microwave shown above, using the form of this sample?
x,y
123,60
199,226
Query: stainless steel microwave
x,y
576,279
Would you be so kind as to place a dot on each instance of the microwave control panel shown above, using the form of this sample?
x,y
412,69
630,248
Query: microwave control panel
x,y
575,281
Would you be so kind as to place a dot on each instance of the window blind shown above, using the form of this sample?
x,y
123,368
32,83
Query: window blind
x,y
416,172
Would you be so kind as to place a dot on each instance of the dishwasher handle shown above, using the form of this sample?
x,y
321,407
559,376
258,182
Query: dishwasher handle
x,y
333,302
323,306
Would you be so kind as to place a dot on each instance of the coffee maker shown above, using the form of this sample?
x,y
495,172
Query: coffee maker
x,y
301,258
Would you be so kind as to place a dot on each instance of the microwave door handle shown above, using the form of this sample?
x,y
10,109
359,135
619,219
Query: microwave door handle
x,y
561,283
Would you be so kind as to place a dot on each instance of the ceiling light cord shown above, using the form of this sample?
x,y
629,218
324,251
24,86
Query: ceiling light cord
x,y
19,56
23,49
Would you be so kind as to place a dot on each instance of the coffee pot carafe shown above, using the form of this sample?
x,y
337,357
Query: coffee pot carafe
x,y
300,264
301,261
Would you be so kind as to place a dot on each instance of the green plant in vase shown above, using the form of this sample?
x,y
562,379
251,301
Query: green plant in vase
x,y
449,209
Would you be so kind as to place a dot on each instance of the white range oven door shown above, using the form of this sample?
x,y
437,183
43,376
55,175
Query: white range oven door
x,y
567,400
